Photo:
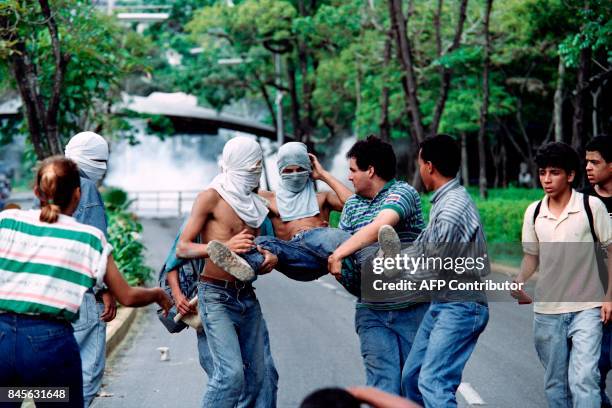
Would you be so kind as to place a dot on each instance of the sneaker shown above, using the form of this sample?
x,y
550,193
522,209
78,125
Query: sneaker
x,y
390,247
230,262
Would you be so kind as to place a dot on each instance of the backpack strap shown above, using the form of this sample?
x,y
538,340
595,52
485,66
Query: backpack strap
x,y
537,211
589,214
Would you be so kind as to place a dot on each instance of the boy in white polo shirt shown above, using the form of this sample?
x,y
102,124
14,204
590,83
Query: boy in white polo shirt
x,y
570,301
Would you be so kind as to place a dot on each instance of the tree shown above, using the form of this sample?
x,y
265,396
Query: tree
x,y
55,51
484,110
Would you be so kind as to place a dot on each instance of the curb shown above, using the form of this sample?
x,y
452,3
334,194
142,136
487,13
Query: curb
x,y
118,327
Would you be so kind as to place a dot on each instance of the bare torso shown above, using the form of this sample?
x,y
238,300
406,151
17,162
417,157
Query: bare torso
x,y
286,230
223,223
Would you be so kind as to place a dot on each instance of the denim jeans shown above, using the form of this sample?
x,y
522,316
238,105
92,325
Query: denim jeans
x,y
442,347
605,362
39,353
569,347
268,393
386,337
90,334
304,257
232,322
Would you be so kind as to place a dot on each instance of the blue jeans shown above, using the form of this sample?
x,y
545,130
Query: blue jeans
x,y
268,393
569,347
39,353
442,347
304,257
605,362
90,334
232,322
386,337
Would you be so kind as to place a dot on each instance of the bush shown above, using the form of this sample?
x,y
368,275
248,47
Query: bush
x,y
124,235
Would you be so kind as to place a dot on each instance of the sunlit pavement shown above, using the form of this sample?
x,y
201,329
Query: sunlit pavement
x,y
314,345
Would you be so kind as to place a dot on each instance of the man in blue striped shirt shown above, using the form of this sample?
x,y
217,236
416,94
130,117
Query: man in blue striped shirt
x,y
449,331
386,330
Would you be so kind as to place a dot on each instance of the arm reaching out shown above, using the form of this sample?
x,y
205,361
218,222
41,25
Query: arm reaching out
x,y
132,296
342,192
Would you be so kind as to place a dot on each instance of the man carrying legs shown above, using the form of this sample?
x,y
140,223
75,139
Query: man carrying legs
x,y
230,212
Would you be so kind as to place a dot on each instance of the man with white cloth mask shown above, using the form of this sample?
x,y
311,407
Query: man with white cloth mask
x,y
300,217
90,152
230,211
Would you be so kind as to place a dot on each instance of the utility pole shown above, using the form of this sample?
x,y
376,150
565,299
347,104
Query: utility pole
x,y
280,136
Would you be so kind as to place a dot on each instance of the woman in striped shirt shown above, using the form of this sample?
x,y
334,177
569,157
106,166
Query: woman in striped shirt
x,y
47,262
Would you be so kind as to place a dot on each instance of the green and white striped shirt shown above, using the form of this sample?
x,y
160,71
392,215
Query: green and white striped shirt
x,y
46,268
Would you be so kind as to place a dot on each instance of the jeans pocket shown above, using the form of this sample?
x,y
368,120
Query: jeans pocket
x,y
213,296
49,339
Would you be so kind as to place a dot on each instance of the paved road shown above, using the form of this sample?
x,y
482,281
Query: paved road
x,y
314,345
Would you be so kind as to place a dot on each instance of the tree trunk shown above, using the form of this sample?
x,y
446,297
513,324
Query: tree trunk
x,y
584,74
446,73
306,124
595,96
484,110
464,161
42,121
357,96
404,50
295,102
558,102
385,127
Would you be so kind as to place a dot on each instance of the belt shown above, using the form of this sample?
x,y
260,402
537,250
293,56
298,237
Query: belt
x,y
238,285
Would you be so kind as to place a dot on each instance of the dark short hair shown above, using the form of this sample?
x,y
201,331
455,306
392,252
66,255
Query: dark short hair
x,y
603,145
330,398
443,152
558,154
376,153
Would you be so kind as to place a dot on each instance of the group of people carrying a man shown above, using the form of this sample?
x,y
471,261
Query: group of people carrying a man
x,y
415,346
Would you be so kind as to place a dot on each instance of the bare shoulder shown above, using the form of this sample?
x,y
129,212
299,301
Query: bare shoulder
x,y
207,200
268,195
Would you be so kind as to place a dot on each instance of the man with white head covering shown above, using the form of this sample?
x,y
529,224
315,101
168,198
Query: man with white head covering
x,y
229,211
300,218
90,151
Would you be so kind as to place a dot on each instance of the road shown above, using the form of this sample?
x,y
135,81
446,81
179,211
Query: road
x,y
314,345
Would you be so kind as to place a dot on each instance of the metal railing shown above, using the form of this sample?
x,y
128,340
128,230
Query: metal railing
x,y
162,203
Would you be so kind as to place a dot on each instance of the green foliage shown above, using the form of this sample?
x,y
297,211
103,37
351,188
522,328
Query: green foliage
x,y
124,235
100,55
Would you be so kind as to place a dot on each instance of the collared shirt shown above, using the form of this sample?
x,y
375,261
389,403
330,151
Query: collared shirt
x,y
358,212
454,231
398,196
568,278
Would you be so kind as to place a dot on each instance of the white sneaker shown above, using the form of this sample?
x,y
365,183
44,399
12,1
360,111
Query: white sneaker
x,y
230,262
390,247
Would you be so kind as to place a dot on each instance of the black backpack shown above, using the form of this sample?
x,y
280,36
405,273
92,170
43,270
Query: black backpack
x,y
599,255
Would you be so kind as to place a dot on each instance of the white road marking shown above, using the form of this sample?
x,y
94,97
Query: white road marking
x,y
327,285
470,394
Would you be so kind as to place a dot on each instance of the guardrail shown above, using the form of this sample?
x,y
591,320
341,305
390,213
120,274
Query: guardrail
x,y
162,203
